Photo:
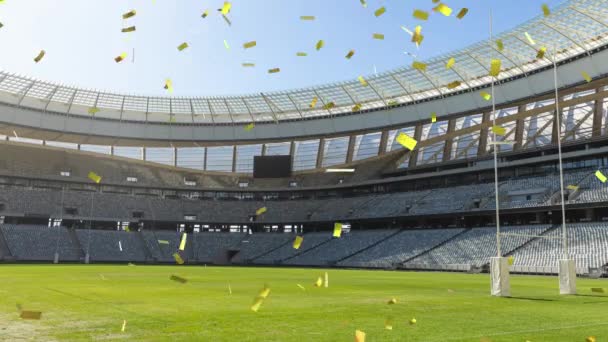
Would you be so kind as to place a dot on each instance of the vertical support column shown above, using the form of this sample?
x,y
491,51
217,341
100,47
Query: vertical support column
x,y
598,114
292,152
483,134
143,153
175,156
414,154
519,129
447,148
205,158
383,142
263,149
351,148
320,153
234,158
111,148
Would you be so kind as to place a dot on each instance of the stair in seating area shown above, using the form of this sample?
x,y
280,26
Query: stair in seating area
x,y
76,242
436,246
5,252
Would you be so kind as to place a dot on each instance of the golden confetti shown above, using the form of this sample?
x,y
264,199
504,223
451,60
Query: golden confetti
x,y
586,76
546,10
600,176
433,117
443,9
511,259
128,29
337,229
261,211
320,45
356,107
413,321
362,81
495,66
169,85
94,177
182,244
421,15
249,45
178,258
597,290
350,54
450,63
40,56
378,36
498,130
499,45
359,336
307,17
226,8
121,58
319,282
129,14
392,301
30,314
301,287
329,105
529,38
163,242
182,46
124,325
388,324
205,14
93,110
301,54
419,66
249,127
297,242
274,71
248,65
313,103
406,141
380,11
462,13
486,96
454,84
541,53
226,45
257,304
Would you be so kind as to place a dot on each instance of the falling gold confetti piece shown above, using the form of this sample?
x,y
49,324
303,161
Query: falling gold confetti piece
x,y
313,103
529,38
320,45
297,242
462,13
433,117
572,187
406,141
597,290
500,45
421,15
362,81
444,9
301,287
40,56
319,282
329,105
495,66
498,130
586,76
163,242
378,36
226,45
307,17
363,3
413,321
591,339
486,96
248,65
182,46
30,314
261,211
546,10
380,11
392,301
182,244
93,110
121,58
359,336
337,229
541,53
388,324
419,66
169,85
265,292
205,14
124,322
226,8
301,54
129,14
274,71
128,29
417,37
454,84
450,63
511,259
94,177
178,258
356,107
350,54
257,304
249,127
600,176
250,44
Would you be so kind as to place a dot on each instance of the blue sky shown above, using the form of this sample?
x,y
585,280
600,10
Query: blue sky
x,y
82,37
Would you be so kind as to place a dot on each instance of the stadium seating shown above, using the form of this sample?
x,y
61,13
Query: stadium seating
x,y
112,246
311,240
39,243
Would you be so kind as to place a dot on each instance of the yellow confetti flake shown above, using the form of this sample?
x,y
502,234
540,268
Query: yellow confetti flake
x,y
248,65
226,8
454,84
307,17
362,81
301,54
264,292
359,336
320,45
450,63
598,290
337,229
591,339
443,9
120,58
205,14
301,287
249,127
261,211
257,304
94,177
419,66
541,53
546,10
249,45
329,105
319,282
178,258
40,56
511,260
163,242
171,118
350,54
433,117
586,76
129,29
357,107
421,15
600,176
274,71
529,38
495,66
407,141
297,242
499,45
462,13
378,36
413,321
169,85
226,45
486,96
124,325
363,3
313,103
182,244
388,324
380,11
129,14
93,110
572,187
30,314
182,46
498,130
392,301
417,37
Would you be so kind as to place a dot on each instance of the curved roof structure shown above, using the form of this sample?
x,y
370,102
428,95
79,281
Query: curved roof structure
x,y
572,29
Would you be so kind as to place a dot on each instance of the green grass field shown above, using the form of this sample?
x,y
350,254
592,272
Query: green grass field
x,y
90,302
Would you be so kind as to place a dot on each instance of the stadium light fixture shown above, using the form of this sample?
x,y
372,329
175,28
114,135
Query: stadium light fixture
x,y
340,170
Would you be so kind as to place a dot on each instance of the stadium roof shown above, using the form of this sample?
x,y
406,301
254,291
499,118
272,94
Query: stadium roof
x,y
572,29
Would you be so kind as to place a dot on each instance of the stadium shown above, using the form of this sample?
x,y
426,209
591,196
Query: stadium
x,y
464,201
